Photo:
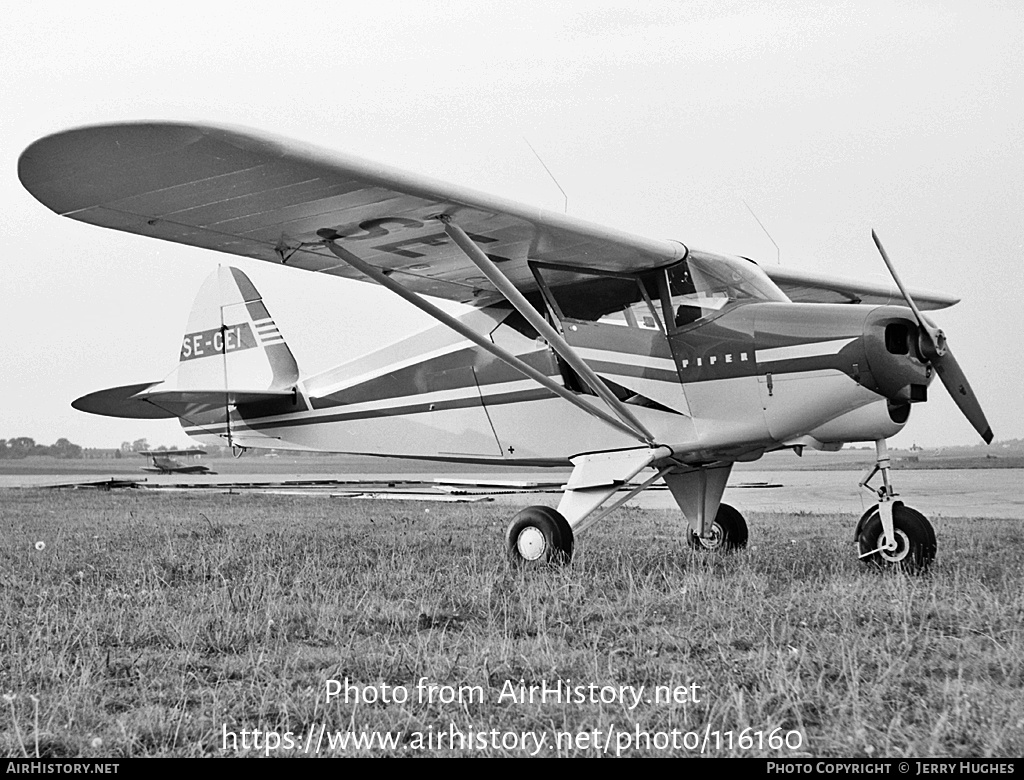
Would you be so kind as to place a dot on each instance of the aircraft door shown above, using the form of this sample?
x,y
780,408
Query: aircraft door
x,y
616,326
715,357
638,362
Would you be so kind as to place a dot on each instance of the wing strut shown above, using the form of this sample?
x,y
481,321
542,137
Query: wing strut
x,y
484,343
552,336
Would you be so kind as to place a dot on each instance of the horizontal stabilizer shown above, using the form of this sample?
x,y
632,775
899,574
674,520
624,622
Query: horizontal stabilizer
x,y
122,402
137,402
194,406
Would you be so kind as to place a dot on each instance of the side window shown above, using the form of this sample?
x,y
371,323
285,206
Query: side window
x,y
607,300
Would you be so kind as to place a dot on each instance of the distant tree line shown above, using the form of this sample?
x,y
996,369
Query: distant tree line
x,y
23,446
139,445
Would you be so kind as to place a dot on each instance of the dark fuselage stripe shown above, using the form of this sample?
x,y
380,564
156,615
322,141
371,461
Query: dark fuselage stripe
x,y
393,411
641,372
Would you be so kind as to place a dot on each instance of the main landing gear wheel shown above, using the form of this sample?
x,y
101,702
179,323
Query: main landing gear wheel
x,y
539,534
728,532
915,539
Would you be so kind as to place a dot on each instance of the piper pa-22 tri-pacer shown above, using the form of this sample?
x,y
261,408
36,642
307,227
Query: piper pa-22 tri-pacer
x,y
635,359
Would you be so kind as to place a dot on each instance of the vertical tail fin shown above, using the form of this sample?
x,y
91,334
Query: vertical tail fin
x,y
234,364
231,343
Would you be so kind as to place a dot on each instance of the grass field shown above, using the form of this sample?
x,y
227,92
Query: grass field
x,y
152,624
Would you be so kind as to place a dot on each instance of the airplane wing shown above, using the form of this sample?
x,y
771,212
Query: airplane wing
x,y
253,195
808,287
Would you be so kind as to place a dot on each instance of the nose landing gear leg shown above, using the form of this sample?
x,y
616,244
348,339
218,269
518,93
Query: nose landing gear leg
x,y
891,534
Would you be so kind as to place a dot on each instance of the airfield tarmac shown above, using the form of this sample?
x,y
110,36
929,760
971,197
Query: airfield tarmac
x,y
993,493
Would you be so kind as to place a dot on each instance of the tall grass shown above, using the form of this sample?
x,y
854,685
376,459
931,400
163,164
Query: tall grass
x,y
150,623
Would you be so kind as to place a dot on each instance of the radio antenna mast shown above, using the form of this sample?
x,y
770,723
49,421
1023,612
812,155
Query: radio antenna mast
x,y
778,252
566,197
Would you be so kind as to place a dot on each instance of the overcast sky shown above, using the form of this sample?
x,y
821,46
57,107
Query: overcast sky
x,y
827,118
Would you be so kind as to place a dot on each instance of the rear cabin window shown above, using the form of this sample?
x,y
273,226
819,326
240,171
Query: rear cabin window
x,y
608,300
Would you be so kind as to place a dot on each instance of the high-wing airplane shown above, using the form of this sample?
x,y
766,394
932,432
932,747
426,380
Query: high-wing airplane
x,y
163,462
635,359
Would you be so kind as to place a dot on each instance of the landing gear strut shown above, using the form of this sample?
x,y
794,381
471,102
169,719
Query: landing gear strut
x,y
891,534
540,534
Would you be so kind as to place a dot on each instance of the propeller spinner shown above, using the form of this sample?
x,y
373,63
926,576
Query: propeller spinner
x,y
934,349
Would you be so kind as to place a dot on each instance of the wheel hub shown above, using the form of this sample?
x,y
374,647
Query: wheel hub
x,y
714,538
902,547
531,543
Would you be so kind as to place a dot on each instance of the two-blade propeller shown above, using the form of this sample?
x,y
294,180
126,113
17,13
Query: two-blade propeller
x,y
934,349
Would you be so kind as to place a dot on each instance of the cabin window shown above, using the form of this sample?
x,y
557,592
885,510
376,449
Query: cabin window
x,y
607,300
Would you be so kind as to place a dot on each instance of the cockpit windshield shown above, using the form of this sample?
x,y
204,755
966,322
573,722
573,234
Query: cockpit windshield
x,y
704,284
690,290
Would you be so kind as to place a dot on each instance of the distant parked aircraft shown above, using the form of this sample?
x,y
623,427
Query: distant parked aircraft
x,y
164,462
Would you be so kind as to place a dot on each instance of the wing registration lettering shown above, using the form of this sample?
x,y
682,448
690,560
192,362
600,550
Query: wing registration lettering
x,y
374,228
433,240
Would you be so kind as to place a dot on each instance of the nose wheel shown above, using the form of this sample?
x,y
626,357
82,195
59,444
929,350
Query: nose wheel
x,y
891,534
914,537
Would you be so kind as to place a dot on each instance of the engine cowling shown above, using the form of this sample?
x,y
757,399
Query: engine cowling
x,y
878,420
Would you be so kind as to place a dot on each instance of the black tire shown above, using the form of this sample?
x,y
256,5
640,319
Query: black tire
x,y
915,538
863,519
539,534
729,532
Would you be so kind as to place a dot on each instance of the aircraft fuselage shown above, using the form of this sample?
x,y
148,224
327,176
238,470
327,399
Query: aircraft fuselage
x,y
751,379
